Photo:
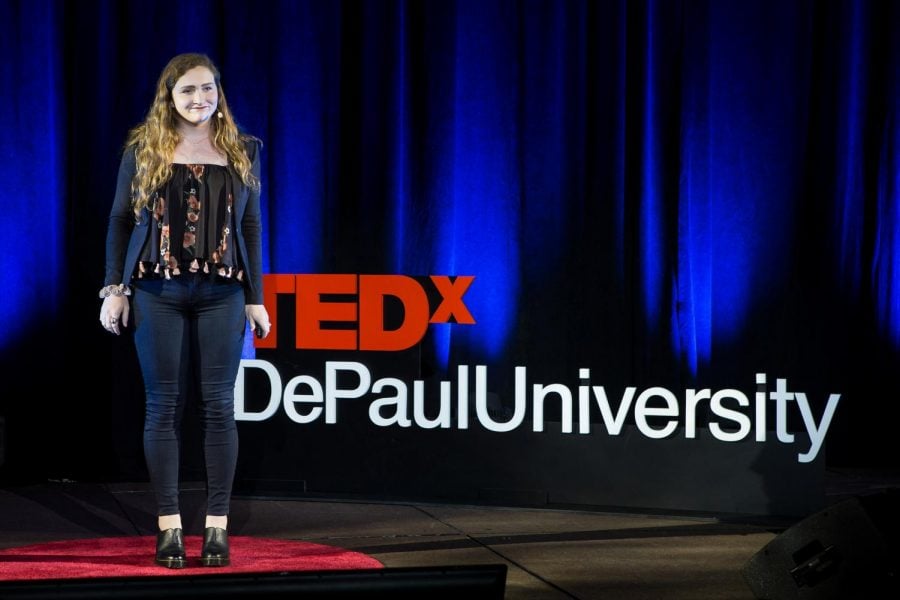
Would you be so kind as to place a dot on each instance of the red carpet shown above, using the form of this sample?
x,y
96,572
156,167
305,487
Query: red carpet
x,y
133,556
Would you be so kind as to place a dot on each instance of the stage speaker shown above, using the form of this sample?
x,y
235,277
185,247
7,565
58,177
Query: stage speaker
x,y
848,550
477,582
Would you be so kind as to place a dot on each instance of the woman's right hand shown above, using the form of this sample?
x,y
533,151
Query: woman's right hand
x,y
114,313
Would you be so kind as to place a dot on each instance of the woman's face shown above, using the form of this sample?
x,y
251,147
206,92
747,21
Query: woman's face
x,y
196,96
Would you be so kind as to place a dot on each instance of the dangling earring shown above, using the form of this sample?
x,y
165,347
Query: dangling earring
x,y
219,115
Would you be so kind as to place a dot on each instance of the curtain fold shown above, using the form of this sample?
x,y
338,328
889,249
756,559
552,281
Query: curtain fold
x,y
645,185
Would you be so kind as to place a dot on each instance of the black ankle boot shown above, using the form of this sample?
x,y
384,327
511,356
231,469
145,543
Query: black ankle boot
x,y
170,549
215,548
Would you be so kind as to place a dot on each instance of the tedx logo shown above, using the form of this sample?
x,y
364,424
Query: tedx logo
x,y
347,311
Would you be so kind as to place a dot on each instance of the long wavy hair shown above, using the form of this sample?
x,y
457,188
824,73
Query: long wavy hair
x,y
155,139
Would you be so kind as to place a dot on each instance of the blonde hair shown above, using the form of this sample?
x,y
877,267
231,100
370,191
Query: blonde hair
x,y
155,139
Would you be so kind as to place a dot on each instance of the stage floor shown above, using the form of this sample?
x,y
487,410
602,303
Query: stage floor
x,y
551,554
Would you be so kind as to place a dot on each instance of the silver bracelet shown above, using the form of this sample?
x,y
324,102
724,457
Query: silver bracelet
x,y
115,290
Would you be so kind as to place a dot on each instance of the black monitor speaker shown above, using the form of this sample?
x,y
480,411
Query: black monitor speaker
x,y
848,550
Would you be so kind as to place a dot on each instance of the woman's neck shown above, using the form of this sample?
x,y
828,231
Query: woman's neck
x,y
196,146
193,133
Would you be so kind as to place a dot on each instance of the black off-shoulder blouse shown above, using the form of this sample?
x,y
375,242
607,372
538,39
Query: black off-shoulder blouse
x,y
193,221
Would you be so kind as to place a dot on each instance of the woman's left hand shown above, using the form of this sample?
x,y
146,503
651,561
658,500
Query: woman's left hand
x,y
258,318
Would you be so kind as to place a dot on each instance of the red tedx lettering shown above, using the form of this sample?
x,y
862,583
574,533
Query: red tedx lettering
x,y
272,286
372,290
312,311
452,303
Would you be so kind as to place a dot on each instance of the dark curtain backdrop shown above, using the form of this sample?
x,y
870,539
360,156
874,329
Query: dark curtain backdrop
x,y
679,193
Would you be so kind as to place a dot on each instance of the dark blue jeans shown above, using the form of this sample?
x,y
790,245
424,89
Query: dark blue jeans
x,y
188,327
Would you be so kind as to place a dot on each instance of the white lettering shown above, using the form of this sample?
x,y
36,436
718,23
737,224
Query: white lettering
x,y
613,425
584,402
781,397
291,398
398,402
740,418
816,434
481,401
565,396
760,407
443,418
692,398
732,417
240,413
462,397
642,411
333,392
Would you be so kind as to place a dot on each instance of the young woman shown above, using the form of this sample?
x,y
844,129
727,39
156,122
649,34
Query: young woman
x,y
184,243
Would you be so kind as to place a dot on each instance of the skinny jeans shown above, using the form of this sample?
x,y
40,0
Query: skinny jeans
x,y
189,327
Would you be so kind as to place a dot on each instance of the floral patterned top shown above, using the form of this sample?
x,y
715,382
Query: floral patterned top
x,y
193,221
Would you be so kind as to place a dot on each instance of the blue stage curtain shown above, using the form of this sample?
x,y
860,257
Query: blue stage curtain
x,y
33,165
663,190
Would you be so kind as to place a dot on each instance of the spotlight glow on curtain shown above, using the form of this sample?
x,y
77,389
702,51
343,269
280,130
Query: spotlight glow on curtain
x,y
886,263
741,166
478,231
31,167
465,138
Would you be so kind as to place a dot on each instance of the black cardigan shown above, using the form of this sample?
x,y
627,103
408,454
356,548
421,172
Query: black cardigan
x,y
126,234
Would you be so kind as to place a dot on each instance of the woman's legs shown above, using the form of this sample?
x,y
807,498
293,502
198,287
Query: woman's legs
x,y
183,325
217,340
163,347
